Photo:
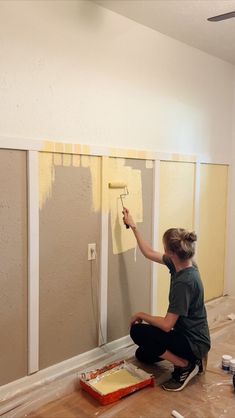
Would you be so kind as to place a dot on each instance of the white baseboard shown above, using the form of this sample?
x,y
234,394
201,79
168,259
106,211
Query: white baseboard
x,y
29,393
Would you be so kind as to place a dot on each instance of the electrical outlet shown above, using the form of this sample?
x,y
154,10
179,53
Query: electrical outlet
x,y
91,251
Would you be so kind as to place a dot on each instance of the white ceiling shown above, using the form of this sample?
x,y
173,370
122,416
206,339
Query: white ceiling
x,y
185,20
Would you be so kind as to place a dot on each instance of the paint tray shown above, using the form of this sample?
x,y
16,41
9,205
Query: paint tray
x,y
115,381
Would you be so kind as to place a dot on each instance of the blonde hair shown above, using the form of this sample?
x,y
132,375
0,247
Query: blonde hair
x,y
181,242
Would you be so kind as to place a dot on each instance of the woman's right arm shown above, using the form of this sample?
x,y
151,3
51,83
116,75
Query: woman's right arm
x,y
144,247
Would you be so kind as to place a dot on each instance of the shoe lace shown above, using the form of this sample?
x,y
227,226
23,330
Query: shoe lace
x,y
180,374
176,373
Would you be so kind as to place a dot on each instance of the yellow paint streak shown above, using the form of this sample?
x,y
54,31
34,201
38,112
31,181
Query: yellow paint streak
x,y
95,169
135,154
77,149
59,147
48,146
105,178
131,154
85,150
183,158
68,148
85,161
57,159
46,177
122,238
67,160
141,155
76,160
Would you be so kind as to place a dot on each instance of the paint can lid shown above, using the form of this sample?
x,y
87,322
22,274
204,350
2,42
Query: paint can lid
x,y
232,361
226,357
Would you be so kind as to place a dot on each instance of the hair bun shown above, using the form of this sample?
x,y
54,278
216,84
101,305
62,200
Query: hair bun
x,y
181,242
191,236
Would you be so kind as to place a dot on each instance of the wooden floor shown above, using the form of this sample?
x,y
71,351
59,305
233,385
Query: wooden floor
x,y
208,396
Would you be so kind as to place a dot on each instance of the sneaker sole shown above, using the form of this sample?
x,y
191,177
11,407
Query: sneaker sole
x,y
194,373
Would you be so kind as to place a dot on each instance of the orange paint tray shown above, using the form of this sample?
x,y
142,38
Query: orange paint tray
x,y
91,379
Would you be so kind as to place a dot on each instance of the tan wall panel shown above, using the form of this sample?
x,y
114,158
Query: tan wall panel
x,y
177,184
129,281
13,277
212,231
69,220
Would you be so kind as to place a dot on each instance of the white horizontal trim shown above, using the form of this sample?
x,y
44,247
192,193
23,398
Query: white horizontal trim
x,y
30,144
213,159
25,144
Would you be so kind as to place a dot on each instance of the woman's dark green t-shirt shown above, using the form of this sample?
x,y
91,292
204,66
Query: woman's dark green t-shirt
x,y
186,299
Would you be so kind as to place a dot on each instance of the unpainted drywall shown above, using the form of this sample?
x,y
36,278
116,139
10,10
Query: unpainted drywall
x,y
68,281
13,269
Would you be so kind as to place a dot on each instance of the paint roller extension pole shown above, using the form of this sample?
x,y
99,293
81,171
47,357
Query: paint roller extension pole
x,y
176,414
119,185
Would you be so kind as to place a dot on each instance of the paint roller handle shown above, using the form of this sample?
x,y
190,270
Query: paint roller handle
x,y
127,219
127,226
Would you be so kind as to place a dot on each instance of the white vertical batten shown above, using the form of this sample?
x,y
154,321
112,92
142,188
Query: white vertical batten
x,y
33,262
227,254
197,199
103,288
155,233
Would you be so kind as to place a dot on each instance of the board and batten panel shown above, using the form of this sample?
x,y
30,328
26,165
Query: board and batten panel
x,y
13,277
177,189
212,227
129,272
69,220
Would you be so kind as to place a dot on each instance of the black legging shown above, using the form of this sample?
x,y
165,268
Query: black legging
x,y
153,342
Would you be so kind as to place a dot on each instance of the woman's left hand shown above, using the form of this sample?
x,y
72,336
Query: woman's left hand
x,y
136,319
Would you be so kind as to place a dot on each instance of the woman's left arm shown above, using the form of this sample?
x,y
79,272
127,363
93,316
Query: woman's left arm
x,y
164,323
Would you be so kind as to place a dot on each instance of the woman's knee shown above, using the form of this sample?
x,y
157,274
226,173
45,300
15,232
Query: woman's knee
x,y
136,333
146,356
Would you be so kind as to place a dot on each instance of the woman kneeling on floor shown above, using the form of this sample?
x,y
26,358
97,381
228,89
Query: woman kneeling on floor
x,y
182,336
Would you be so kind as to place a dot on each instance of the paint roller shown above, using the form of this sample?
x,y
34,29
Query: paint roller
x,y
119,185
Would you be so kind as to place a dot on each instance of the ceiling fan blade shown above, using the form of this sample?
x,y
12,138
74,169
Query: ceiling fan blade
x,y
224,16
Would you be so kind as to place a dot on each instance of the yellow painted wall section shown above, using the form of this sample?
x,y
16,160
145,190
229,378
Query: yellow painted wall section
x,y
177,184
123,239
212,230
46,177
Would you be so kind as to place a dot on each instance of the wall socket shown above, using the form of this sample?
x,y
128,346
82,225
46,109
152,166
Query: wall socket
x,y
91,253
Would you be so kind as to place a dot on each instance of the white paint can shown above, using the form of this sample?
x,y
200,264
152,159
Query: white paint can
x,y
226,362
232,365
